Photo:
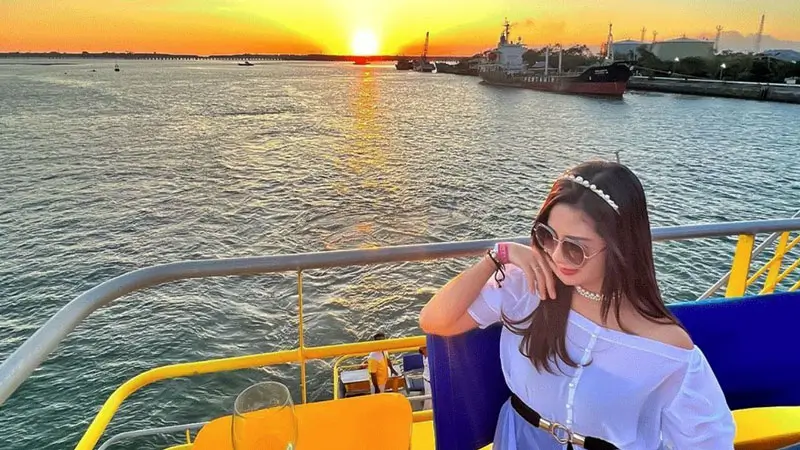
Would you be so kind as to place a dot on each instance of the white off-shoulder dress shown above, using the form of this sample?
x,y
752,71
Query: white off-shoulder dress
x,y
637,393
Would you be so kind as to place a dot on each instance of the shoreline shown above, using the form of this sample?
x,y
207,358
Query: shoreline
x,y
745,90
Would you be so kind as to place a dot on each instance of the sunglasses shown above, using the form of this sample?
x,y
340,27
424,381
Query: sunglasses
x,y
574,252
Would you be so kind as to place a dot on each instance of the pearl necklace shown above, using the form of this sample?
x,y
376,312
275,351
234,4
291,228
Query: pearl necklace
x,y
590,295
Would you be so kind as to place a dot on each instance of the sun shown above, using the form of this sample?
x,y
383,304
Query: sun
x,y
364,43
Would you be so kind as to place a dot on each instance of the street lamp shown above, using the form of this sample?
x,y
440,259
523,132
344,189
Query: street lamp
x,y
722,67
675,66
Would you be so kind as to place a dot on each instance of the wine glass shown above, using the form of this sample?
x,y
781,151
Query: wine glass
x,y
264,418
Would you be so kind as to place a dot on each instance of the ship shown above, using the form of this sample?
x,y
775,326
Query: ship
x,y
422,64
404,64
465,67
505,66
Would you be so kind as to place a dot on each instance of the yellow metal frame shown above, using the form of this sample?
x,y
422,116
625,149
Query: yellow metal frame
x,y
737,286
111,405
740,279
298,355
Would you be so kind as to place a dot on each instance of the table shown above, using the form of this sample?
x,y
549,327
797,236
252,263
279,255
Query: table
x,y
351,423
354,376
358,382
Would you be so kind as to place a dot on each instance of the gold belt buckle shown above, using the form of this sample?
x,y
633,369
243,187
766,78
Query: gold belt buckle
x,y
562,437
560,433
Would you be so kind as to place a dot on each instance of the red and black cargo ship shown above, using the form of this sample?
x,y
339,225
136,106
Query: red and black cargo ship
x,y
505,66
606,80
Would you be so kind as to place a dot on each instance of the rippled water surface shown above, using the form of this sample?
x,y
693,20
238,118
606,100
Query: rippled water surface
x,y
105,172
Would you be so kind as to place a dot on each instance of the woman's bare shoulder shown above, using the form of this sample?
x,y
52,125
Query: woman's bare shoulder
x,y
667,333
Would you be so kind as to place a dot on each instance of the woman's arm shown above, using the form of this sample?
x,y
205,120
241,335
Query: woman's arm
x,y
698,417
446,313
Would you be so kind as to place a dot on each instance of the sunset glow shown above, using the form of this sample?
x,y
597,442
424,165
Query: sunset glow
x,y
457,27
364,43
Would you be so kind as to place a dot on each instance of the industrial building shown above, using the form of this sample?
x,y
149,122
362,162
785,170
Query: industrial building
x,y
627,49
683,48
787,55
665,50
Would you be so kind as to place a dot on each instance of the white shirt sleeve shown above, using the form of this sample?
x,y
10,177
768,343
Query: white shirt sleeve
x,y
514,299
698,417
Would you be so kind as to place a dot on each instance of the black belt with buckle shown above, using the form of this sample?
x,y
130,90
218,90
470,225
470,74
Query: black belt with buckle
x,y
561,433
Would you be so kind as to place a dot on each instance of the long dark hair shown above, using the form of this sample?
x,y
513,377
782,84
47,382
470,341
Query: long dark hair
x,y
629,271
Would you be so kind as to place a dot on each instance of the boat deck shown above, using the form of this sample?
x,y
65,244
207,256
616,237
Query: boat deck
x,y
771,426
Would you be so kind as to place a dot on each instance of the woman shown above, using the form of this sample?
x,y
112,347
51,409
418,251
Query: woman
x,y
588,345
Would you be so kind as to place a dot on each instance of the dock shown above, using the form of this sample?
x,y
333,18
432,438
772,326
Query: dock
x,y
786,93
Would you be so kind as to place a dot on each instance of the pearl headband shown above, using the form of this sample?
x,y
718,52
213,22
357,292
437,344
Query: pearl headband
x,y
588,185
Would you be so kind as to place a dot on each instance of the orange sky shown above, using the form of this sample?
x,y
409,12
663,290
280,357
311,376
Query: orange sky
x,y
458,27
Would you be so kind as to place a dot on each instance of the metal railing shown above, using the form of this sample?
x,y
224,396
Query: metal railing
x,y
152,432
22,362
773,265
298,355
775,276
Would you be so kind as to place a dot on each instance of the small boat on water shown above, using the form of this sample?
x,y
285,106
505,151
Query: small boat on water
x,y
505,66
404,64
247,64
116,67
462,68
422,64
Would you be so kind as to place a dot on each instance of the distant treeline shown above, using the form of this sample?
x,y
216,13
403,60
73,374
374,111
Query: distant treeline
x,y
737,66
242,56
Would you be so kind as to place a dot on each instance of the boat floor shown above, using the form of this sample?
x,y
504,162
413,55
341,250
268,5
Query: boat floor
x,y
770,428
422,437
756,429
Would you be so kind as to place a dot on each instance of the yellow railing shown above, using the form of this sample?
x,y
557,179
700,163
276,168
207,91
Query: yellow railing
x,y
738,282
740,279
111,405
298,355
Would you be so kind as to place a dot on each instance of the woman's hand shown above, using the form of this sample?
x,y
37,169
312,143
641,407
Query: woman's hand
x,y
534,263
